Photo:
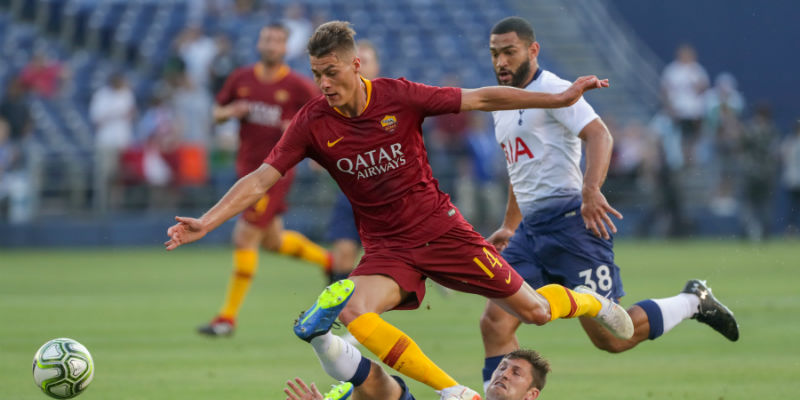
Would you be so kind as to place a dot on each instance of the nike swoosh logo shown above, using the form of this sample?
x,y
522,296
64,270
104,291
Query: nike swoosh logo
x,y
333,143
508,280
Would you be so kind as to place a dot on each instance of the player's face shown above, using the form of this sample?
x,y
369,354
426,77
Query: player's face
x,y
370,68
336,76
512,380
512,59
272,45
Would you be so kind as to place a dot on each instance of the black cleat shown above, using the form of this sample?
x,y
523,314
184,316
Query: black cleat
x,y
711,312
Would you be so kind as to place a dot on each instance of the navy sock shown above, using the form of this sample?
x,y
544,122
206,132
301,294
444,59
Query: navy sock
x,y
362,372
654,316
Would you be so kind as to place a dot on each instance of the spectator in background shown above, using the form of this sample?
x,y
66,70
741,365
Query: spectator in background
x,y
223,64
197,51
683,84
15,186
485,185
791,177
14,109
663,172
724,129
294,19
157,134
757,162
191,105
112,110
42,75
446,142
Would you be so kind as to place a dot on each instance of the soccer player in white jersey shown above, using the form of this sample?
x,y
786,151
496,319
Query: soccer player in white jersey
x,y
557,227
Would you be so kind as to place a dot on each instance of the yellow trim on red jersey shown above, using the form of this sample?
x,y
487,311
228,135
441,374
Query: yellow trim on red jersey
x,y
368,86
261,73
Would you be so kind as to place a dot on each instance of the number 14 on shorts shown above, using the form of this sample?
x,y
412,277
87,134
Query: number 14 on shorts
x,y
493,263
602,279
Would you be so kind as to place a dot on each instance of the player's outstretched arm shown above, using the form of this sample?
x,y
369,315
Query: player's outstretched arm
x,y
244,192
495,98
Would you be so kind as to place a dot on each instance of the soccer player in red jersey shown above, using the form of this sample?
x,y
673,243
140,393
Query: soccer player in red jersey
x,y
367,134
263,97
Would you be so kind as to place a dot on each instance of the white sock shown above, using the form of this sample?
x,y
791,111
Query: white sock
x,y
677,308
338,358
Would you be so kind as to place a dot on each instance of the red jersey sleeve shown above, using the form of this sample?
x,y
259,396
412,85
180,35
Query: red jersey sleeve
x,y
227,93
293,146
432,100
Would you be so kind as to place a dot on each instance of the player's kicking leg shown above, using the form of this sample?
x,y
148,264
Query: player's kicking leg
x,y
655,317
375,293
340,359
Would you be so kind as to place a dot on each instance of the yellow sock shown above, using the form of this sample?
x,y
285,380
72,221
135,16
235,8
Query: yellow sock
x,y
245,264
565,303
296,245
398,351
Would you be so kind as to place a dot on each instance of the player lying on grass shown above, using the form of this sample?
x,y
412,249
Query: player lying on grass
x,y
367,134
521,375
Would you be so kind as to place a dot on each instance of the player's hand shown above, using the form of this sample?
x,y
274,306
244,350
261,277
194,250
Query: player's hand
x,y
580,86
239,109
595,210
301,391
187,230
500,238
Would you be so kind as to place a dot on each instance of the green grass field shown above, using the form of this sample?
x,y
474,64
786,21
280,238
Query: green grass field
x,y
136,310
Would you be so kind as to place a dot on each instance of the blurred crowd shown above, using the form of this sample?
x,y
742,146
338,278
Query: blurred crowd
x,y
707,146
707,149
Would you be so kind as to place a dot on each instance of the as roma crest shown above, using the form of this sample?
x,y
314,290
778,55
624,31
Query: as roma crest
x,y
389,123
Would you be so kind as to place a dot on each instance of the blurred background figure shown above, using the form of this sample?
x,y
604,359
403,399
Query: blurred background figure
x,y
723,129
790,177
758,162
294,18
683,83
197,51
43,75
112,110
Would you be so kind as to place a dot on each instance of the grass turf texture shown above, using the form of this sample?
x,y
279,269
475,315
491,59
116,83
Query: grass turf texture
x,y
136,310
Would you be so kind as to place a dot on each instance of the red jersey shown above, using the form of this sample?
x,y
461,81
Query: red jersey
x,y
378,159
273,103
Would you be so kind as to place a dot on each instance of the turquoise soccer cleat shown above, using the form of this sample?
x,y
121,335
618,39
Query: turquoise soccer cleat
x,y
319,318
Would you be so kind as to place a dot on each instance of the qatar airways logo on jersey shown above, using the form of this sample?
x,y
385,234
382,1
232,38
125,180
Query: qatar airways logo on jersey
x,y
515,150
374,162
264,114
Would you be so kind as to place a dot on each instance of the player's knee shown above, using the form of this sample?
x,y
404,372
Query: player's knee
x,y
350,312
271,245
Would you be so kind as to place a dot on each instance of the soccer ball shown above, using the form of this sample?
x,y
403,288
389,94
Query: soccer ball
x,y
63,368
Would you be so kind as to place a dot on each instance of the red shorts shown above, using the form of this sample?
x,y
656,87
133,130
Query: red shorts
x,y
271,205
461,259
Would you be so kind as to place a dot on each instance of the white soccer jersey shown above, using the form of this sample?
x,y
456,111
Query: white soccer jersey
x,y
542,147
